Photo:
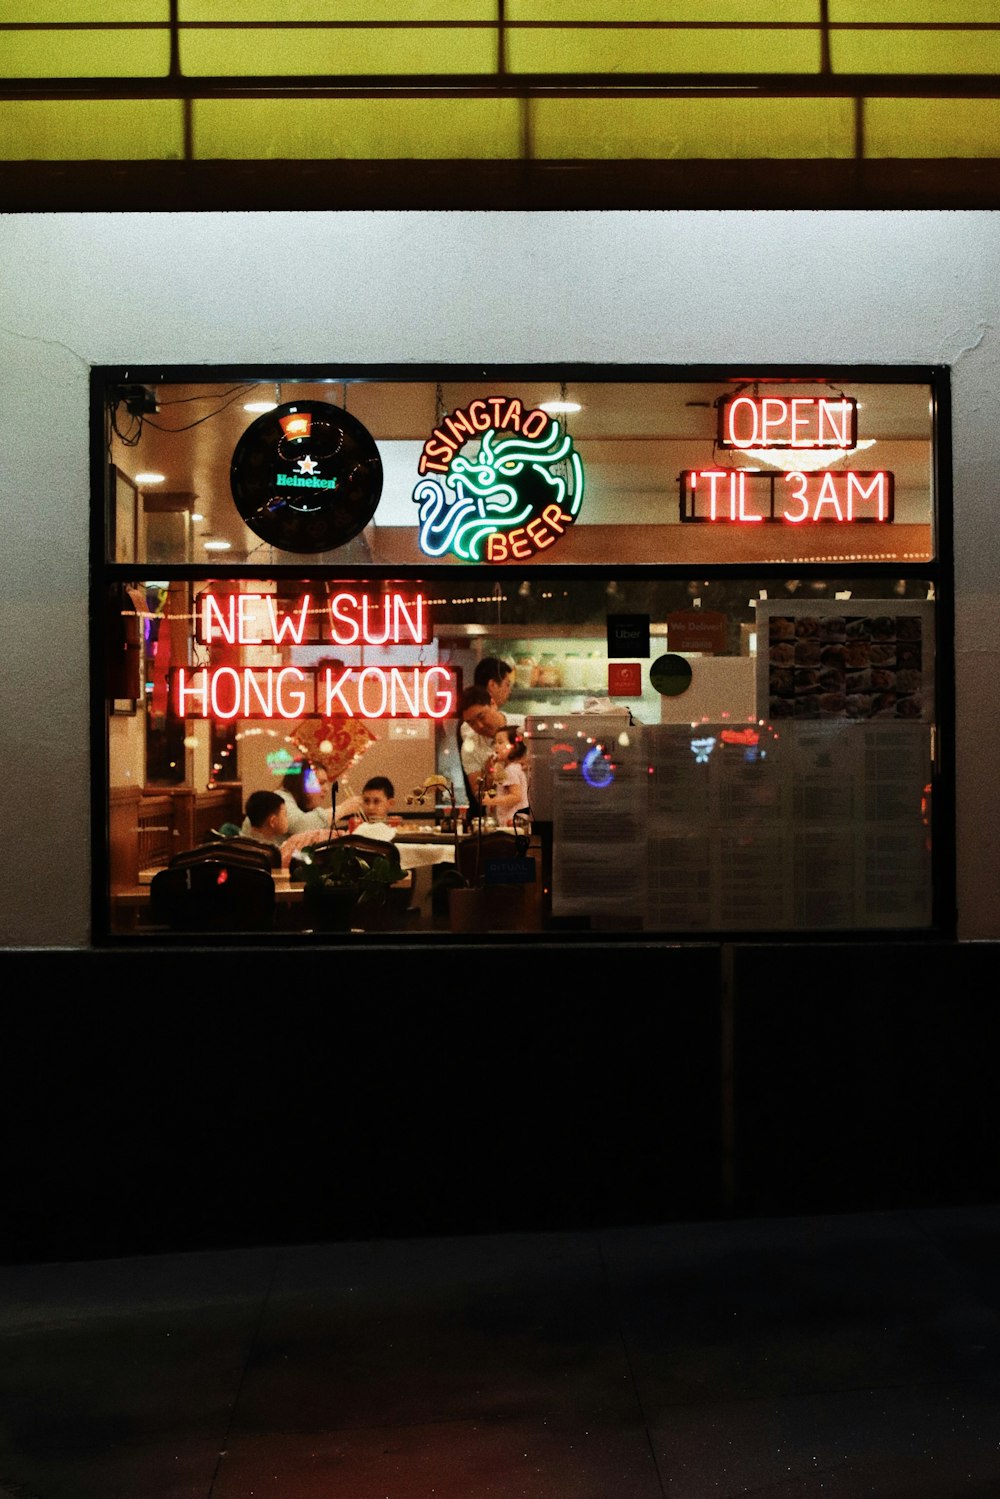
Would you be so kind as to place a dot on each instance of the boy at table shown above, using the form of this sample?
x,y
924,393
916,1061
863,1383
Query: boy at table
x,y
267,818
377,797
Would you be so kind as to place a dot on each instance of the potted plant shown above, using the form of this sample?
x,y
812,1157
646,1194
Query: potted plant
x,y
346,880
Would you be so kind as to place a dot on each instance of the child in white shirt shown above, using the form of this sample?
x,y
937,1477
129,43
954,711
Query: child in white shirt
x,y
511,781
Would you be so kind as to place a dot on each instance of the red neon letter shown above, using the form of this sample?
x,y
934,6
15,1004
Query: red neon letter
x,y
741,442
441,702
744,514
291,700
877,484
828,496
377,675
287,625
338,604
230,676
800,439
220,625
774,413
193,688
367,633
334,689
801,494
401,615
535,423
834,414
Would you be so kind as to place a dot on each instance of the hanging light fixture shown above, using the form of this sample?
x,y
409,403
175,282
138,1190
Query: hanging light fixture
x,y
563,404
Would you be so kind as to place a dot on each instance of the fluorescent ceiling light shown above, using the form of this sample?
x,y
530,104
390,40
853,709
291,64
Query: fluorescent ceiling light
x,y
211,545
259,406
150,478
554,406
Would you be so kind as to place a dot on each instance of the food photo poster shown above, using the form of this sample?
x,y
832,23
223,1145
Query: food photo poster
x,y
867,659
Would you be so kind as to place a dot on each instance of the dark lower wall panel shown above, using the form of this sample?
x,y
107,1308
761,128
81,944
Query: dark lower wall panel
x,y
865,1076
170,1100
708,183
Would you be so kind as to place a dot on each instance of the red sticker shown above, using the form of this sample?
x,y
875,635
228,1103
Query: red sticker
x,y
624,679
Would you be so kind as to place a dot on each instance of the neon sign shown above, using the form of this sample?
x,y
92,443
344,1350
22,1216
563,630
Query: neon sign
x,y
294,692
344,618
226,691
515,497
788,422
742,497
306,477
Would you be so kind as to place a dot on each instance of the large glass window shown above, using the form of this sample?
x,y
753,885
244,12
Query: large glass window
x,y
717,600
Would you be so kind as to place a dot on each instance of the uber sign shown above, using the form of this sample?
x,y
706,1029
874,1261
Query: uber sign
x,y
628,635
306,477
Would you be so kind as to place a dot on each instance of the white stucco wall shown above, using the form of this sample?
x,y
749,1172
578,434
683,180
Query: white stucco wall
x,y
675,287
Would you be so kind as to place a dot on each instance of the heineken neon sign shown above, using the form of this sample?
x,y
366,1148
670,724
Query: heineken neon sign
x,y
306,477
514,494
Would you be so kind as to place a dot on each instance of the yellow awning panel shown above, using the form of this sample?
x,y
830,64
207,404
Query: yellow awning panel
x,y
253,12
663,10
357,129
937,51
101,53
907,128
676,129
69,42
673,50
91,129
907,13
249,51
77,12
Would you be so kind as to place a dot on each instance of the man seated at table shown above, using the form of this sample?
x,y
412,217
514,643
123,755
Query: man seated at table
x,y
267,818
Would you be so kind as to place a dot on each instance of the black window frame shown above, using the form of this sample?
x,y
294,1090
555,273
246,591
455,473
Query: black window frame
x,y
937,571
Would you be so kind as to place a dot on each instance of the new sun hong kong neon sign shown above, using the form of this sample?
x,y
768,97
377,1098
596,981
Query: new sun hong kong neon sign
x,y
293,692
515,496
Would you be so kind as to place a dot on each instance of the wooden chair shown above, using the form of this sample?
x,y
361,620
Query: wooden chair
x,y
217,895
247,850
488,902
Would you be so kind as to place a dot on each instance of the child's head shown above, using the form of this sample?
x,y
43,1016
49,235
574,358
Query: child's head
x,y
509,744
267,813
377,796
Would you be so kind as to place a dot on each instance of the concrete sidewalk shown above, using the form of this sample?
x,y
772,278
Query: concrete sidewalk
x,y
840,1356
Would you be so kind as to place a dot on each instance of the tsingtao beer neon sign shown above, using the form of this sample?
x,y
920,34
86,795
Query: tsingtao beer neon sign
x,y
371,691
514,497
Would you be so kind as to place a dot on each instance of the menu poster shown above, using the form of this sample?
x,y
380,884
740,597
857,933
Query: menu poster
x,y
817,825
845,659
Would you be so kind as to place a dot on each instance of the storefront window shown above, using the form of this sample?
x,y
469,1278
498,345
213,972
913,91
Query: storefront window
x,y
719,599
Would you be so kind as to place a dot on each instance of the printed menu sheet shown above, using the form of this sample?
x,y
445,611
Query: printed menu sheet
x,y
598,839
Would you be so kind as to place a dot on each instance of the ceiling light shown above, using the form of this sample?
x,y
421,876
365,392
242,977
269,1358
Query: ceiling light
x,y
259,406
803,460
197,515
150,478
554,406
211,544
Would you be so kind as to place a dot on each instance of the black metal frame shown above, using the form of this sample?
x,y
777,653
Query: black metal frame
x,y
939,572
